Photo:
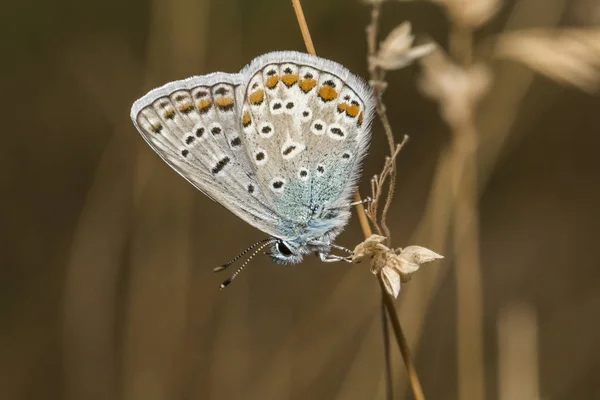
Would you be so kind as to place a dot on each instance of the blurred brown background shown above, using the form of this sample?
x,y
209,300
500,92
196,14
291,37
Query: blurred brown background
x,y
106,283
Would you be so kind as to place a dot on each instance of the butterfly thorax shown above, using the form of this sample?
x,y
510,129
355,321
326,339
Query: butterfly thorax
x,y
313,237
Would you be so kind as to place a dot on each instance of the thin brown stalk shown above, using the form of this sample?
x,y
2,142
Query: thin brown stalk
x,y
391,187
471,382
90,316
389,388
413,377
157,297
388,175
308,43
388,302
362,217
364,223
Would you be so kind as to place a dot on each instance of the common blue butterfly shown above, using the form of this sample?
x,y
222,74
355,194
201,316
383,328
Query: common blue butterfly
x,y
280,144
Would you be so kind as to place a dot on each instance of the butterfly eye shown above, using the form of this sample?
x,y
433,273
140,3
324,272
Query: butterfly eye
x,y
283,249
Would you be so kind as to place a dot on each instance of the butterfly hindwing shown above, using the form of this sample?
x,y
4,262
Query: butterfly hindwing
x,y
306,130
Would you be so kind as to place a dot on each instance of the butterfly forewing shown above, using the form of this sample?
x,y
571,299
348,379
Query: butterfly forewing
x,y
196,131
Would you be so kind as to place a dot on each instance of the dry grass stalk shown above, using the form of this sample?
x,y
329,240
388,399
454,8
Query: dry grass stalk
x,y
102,229
395,51
517,332
161,258
458,86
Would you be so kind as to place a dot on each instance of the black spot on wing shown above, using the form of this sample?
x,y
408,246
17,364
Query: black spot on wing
x,y
236,142
220,165
157,128
288,150
337,131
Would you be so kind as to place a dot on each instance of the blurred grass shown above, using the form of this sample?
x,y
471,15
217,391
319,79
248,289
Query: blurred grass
x,y
106,289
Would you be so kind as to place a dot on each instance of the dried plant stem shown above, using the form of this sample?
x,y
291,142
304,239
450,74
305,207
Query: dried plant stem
x,y
376,77
364,223
461,44
389,388
389,305
308,43
362,216
103,227
471,380
413,377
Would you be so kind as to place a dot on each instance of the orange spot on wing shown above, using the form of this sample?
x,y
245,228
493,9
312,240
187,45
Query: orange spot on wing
x,y
307,84
246,120
352,110
186,107
272,81
204,104
289,79
224,101
342,107
327,93
257,97
169,114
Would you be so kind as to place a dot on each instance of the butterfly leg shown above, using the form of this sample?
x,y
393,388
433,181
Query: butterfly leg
x,y
363,201
354,203
327,257
333,258
332,245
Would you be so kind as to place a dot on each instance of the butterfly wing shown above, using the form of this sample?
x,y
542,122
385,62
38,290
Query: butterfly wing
x,y
305,123
193,125
274,144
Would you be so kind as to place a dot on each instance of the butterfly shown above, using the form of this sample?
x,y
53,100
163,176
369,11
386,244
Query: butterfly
x,y
280,144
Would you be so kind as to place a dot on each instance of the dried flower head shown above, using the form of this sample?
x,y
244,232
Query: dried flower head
x,y
569,56
394,266
397,50
470,13
466,13
458,90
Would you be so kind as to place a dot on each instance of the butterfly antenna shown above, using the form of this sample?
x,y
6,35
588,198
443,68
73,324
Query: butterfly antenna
x,y
222,267
232,277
